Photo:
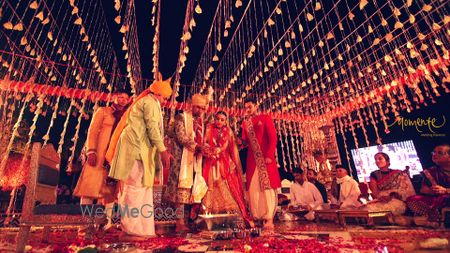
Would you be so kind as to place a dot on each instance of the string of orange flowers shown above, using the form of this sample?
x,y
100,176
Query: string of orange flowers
x,y
371,97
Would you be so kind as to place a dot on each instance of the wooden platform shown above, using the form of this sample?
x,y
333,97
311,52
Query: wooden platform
x,y
340,216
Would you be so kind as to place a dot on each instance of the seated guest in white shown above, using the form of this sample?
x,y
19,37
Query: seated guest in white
x,y
304,195
347,190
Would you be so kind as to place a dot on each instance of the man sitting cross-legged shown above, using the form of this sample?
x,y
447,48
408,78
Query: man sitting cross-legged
x,y
347,190
304,195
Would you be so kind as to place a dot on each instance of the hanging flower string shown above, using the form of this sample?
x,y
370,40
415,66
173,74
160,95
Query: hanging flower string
x,y
297,142
46,137
184,48
293,148
374,125
280,140
38,89
289,151
75,137
25,157
63,133
74,93
156,14
361,124
13,135
341,130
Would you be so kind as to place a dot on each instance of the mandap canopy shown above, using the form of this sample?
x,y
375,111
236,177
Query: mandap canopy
x,y
316,66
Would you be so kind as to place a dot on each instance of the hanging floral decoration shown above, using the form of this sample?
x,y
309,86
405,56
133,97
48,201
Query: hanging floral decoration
x,y
351,66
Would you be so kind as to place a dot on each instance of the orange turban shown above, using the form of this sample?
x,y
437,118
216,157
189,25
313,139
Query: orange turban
x,y
199,100
161,88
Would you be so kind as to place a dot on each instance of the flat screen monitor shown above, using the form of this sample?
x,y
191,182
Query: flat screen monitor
x,y
401,154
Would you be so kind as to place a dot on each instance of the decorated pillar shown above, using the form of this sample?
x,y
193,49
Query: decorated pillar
x,y
331,147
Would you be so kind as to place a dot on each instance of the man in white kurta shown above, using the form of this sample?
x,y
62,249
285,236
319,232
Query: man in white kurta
x,y
304,195
348,191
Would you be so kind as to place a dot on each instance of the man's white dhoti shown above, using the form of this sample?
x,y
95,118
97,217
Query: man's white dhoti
x,y
263,203
134,195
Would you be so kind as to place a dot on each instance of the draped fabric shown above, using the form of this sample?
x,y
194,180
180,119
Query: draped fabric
x,y
260,130
347,193
141,139
263,203
198,130
92,181
438,175
223,171
395,181
431,205
117,114
191,161
264,180
181,174
133,194
186,178
120,126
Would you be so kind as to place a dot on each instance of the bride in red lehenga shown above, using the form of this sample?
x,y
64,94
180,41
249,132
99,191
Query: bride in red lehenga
x,y
222,170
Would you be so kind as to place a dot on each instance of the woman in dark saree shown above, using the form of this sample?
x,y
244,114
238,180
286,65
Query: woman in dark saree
x,y
390,188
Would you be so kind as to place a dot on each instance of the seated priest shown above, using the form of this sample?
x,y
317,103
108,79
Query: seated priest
x,y
304,195
347,191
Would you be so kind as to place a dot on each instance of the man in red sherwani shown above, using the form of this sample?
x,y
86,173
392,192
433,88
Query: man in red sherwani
x,y
263,178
